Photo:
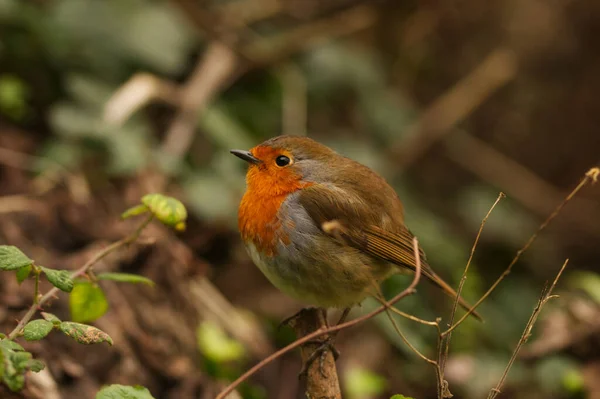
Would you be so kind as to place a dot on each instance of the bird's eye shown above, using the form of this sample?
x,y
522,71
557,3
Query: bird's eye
x,y
282,161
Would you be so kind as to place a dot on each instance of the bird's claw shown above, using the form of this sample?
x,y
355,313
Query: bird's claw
x,y
320,352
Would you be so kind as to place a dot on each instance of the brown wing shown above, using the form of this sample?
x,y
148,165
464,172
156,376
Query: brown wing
x,y
350,220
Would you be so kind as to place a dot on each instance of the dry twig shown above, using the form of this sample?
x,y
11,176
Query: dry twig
x,y
546,296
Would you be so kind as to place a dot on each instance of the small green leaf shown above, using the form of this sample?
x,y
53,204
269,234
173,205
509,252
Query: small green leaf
x,y
168,210
11,258
15,363
11,345
14,381
87,302
216,345
398,396
117,391
61,279
134,211
35,365
23,273
51,318
126,278
84,334
37,329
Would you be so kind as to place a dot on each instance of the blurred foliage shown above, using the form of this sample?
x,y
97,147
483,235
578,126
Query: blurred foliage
x,y
62,60
360,383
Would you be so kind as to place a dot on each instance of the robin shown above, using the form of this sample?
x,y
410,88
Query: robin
x,y
323,228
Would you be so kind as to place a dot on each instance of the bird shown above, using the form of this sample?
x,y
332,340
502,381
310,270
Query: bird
x,y
323,228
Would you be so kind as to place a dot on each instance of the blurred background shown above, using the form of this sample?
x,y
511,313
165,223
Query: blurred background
x,y
104,101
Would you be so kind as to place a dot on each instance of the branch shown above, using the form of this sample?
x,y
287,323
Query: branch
x,y
321,375
411,289
79,272
546,296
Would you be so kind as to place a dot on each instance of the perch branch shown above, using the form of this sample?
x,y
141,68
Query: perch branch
x,y
321,375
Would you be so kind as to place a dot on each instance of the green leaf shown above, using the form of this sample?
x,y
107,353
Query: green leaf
x,y
11,345
15,362
35,365
61,279
398,396
37,329
126,278
84,334
11,258
51,318
216,345
13,380
134,211
87,302
117,391
168,210
23,273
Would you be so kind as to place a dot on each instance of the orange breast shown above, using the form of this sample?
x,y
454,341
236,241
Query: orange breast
x,y
258,222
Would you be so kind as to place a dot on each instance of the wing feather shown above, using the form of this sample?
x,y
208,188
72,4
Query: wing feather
x,y
350,221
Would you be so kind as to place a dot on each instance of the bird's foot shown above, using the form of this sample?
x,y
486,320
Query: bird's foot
x,y
320,352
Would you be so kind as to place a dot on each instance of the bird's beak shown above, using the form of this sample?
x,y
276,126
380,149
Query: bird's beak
x,y
246,156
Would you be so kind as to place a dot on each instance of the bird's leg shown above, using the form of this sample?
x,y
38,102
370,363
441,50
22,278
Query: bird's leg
x,y
324,345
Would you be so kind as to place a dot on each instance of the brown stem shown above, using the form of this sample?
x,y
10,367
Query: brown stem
x,y
77,273
321,375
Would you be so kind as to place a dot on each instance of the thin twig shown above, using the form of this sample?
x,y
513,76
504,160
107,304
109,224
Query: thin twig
x,y
322,331
545,297
403,314
590,176
443,355
77,273
405,339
